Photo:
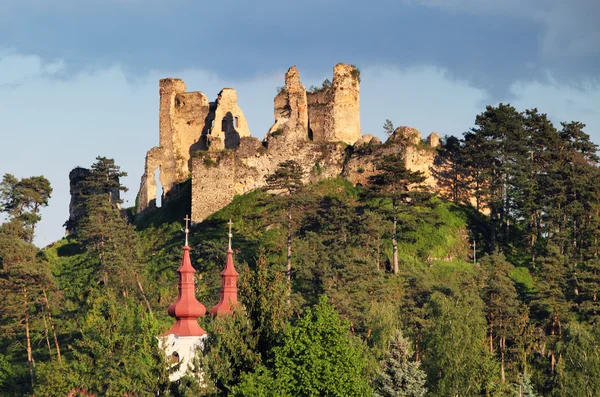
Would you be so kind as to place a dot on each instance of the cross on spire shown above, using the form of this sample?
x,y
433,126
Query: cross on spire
x,y
230,223
187,231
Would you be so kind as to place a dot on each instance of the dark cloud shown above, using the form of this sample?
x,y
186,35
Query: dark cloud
x,y
489,46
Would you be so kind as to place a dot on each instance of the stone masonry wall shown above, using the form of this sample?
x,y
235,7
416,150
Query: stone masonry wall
x,y
334,112
218,177
346,104
212,139
188,122
230,124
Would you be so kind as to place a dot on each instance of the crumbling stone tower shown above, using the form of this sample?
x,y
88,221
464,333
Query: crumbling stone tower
x,y
188,122
330,114
334,112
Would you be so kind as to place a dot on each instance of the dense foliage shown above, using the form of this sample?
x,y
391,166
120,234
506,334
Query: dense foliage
x,y
489,289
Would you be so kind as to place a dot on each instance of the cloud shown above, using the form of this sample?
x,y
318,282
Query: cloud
x,y
569,28
490,44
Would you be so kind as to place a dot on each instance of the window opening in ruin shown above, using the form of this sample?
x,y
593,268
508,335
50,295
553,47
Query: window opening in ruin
x,y
159,188
236,122
224,124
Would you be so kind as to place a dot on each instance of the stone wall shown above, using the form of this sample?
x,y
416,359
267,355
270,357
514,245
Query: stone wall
x,y
212,140
334,112
218,177
291,110
188,122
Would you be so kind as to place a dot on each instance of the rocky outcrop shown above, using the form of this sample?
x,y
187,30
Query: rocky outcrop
x,y
291,110
77,208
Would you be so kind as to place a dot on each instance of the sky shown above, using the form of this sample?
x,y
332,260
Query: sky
x,y
79,78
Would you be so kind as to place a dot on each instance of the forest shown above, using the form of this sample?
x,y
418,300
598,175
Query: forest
x,y
387,289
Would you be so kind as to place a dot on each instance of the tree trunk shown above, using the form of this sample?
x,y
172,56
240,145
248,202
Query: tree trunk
x,y
29,351
502,375
46,333
52,324
137,280
394,239
289,246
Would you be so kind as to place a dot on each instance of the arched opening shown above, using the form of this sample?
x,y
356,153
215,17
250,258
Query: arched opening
x,y
174,358
159,188
235,122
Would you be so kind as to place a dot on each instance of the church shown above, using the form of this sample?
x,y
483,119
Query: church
x,y
181,342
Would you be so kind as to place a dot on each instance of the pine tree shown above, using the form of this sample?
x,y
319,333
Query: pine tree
x,y
494,153
579,366
264,293
22,279
524,388
401,186
118,351
113,246
400,377
388,127
104,179
506,316
23,199
229,351
288,178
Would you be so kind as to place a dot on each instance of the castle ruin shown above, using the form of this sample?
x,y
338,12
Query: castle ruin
x,y
211,141
188,122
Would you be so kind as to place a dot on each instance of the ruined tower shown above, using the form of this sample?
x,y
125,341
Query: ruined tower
x,y
334,111
188,122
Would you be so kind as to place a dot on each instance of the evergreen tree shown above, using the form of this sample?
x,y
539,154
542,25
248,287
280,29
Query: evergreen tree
x,y
264,293
400,377
399,185
388,127
104,179
579,366
118,351
506,316
524,388
113,246
494,153
287,178
23,199
229,351
21,278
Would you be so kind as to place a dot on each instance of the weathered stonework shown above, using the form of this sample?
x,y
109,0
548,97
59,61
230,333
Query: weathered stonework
x,y
188,122
334,112
291,109
315,129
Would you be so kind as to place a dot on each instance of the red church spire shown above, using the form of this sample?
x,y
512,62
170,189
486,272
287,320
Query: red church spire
x,y
186,308
228,285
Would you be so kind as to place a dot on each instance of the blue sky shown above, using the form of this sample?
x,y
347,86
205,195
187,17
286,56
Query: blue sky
x,y
80,78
